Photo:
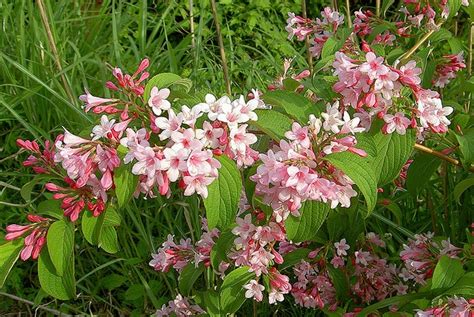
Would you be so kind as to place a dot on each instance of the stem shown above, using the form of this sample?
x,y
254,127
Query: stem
x,y
440,155
425,37
309,57
221,47
348,13
52,44
377,8
469,65
191,23
25,301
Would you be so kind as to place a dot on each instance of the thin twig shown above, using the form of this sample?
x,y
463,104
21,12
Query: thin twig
x,y
25,301
348,13
52,44
427,150
425,37
221,47
309,57
9,186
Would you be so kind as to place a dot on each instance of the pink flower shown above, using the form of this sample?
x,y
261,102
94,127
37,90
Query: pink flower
x,y
240,139
197,184
397,122
254,290
341,247
91,101
374,66
299,134
157,100
173,123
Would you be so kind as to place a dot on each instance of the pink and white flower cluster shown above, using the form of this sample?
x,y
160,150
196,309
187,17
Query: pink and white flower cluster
x,y
451,307
318,31
178,255
421,255
36,238
447,68
255,247
179,307
295,170
185,150
373,88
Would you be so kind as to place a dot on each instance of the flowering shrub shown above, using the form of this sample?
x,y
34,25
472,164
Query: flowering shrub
x,y
280,174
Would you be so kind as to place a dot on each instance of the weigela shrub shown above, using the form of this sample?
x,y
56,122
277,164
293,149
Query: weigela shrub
x,y
276,172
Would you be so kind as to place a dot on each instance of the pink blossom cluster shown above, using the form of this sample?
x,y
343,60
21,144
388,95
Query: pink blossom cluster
x,y
86,166
452,307
314,287
130,86
295,170
255,247
421,255
364,23
179,307
370,276
187,151
373,88
36,238
178,255
318,31
447,68
422,13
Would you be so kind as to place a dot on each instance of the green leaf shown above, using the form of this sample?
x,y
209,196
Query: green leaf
x,y
361,171
290,84
393,152
112,218
188,277
335,43
366,142
60,240
420,172
340,282
92,227
125,184
113,281
52,208
446,273
428,74
294,257
211,301
295,105
461,187
464,286
9,253
466,145
273,123
221,248
223,195
108,240
306,226
26,189
454,6
385,5
165,80
441,35
60,287
232,289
